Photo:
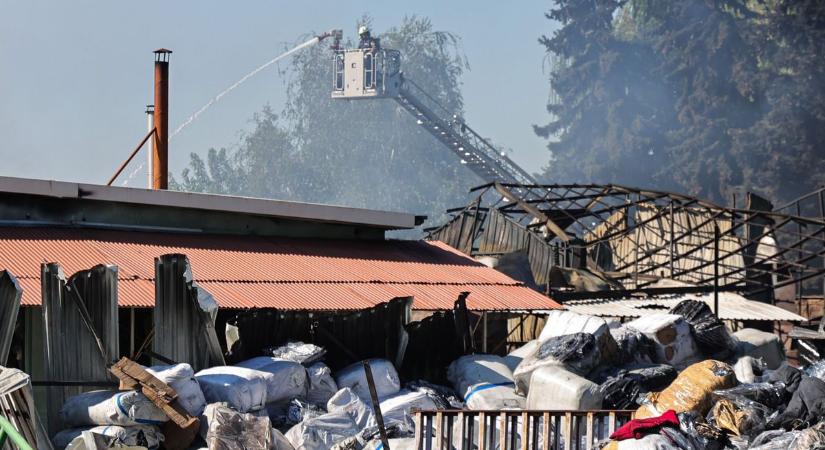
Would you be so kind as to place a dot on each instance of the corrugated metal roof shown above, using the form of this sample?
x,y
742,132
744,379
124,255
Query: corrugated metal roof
x,y
732,306
288,273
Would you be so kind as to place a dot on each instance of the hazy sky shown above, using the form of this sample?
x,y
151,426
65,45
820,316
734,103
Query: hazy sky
x,y
76,75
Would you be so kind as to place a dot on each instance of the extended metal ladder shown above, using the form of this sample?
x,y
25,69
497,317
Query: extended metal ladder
x,y
475,152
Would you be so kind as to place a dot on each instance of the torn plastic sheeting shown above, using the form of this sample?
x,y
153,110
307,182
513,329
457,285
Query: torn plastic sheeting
x,y
228,429
111,408
140,435
298,410
288,379
740,417
772,395
633,346
298,352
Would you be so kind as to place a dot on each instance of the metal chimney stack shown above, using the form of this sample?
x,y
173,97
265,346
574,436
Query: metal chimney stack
x,y
160,158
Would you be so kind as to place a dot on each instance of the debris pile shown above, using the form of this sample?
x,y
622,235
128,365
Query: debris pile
x,y
693,385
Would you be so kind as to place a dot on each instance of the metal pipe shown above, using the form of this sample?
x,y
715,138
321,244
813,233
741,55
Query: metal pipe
x,y
160,159
150,150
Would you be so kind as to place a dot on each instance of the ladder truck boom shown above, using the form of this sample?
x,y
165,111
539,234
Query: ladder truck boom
x,y
371,73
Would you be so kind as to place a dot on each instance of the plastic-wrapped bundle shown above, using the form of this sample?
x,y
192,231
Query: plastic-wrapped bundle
x,y
230,430
672,336
288,380
181,378
620,393
396,408
578,352
383,374
806,406
514,358
691,391
321,384
760,344
633,346
111,408
243,389
554,388
710,333
740,416
346,401
649,442
443,396
484,382
561,323
348,417
811,438
771,395
298,352
148,436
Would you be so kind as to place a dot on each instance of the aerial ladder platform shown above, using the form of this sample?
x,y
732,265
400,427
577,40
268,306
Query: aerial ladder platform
x,y
376,73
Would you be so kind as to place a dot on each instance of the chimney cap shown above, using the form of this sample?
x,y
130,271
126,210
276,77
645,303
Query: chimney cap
x,y
162,55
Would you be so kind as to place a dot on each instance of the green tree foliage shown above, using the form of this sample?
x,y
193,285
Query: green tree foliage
x,y
362,153
706,97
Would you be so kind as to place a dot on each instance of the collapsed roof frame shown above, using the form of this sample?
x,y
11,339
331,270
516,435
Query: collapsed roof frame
x,y
756,249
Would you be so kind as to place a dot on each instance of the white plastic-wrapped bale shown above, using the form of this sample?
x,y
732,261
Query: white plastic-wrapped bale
x,y
148,436
322,385
288,380
760,344
243,389
578,352
181,378
555,388
228,429
514,358
111,408
484,382
672,336
562,323
403,443
395,409
383,374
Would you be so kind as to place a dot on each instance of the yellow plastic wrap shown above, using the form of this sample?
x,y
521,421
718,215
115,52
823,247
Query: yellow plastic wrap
x,y
729,417
691,390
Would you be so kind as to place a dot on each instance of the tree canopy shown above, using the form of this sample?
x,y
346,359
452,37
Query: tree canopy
x,y
704,97
361,153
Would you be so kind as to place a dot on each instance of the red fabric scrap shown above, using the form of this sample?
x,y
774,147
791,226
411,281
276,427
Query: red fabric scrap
x,y
638,428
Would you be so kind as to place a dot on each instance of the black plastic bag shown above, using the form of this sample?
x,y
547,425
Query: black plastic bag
x,y
634,346
620,393
709,332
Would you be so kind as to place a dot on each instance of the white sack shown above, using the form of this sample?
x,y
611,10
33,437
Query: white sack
x,y
321,384
243,389
181,378
111,408
383,374
148,435
321,433
288,380
554,388
346,401
672,336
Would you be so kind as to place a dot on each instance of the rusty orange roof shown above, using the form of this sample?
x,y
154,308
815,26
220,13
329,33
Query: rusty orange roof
x,y
267,272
